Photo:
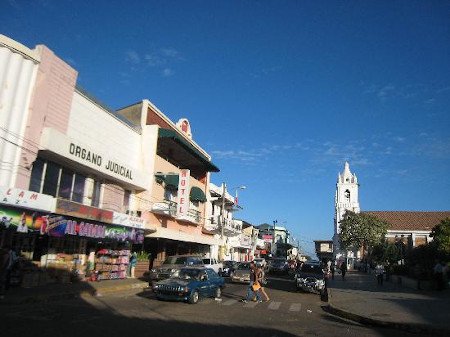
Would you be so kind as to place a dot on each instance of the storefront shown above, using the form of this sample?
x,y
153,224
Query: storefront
x,y
63,248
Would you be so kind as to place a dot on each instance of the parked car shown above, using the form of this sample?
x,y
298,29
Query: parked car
x,y
213,264
278,265
310,278
228,268
241,273
173,264
189,284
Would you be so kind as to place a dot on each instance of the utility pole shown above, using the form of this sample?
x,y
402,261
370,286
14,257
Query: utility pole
x,y
224,191
273,238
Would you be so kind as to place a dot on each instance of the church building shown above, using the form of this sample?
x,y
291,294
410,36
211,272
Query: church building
x,y
410,228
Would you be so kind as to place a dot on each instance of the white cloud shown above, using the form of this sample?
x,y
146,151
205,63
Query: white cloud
x,y
154,60
167,72
133,57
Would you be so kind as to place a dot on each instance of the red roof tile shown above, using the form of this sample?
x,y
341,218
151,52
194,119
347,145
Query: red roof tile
x,y
411,220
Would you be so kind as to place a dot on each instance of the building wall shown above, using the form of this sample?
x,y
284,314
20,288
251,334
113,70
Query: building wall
x,y
18,69
92,125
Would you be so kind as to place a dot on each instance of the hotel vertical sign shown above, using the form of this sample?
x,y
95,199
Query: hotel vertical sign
x,y
183,194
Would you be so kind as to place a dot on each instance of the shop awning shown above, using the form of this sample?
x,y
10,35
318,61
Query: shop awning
x,y
197,194
174,147
178,235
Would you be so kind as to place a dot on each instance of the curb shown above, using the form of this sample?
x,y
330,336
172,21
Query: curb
x,y
71,294
410,327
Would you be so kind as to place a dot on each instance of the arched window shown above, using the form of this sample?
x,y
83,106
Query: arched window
x,y
347,195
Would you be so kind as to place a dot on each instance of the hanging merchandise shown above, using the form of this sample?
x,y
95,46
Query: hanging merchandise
x,y
111,264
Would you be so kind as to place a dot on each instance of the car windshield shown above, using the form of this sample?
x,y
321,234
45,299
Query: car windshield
x,y
244,266
279,261
312,268
184,260
188,274
228,263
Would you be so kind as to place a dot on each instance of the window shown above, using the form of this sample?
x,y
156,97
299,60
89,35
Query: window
x,y
36,175
51,179
170,194
96,194
347,195
78,188
126,199
65,184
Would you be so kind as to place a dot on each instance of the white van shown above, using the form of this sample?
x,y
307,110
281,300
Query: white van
x,y
213,264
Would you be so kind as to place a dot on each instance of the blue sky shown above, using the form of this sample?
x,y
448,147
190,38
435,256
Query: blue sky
x,y
280,93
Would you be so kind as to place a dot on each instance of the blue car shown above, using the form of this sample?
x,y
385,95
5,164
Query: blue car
x,y
189,284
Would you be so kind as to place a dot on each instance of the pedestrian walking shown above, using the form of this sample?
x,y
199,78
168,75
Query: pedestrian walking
x,y
379,272
343,269
254,286
260,278
133,262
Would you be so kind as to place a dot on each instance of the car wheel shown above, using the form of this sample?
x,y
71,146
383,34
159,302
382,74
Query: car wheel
x,y
218,293
194,297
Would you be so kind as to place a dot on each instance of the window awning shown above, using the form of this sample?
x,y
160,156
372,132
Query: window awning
x,y
197,194
173,146
169,179
172,180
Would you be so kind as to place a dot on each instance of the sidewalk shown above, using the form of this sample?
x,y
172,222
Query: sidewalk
x,y
361,299
56,291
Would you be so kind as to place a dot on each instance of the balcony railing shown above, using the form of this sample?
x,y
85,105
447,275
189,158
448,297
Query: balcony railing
x,y
165,207
231,227
169,208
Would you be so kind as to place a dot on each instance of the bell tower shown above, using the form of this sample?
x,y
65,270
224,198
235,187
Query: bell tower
x,y
346,198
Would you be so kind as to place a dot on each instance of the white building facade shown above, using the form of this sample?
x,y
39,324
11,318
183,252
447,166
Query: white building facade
x,y
346,199
73,173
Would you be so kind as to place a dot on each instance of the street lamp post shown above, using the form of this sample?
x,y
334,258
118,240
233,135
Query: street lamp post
x,y
236,199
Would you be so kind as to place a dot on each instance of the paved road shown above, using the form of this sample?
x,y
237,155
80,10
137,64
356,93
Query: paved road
x,y
287,314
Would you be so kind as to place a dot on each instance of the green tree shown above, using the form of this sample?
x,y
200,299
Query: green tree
x,y
361,230
441,236
386,252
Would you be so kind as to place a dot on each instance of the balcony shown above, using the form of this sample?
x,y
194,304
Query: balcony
x,y
169,208
165,207
230,228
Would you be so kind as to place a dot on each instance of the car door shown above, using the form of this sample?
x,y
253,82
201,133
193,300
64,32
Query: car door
x,y
204,288
213,281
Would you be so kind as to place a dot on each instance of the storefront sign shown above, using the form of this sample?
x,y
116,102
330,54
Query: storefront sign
x,y
26,221
183,194
21,220
59,226
128,220
23,198
245,241
267,238
67,207
96,159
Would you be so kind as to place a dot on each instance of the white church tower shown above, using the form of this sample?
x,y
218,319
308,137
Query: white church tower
x,y
346,198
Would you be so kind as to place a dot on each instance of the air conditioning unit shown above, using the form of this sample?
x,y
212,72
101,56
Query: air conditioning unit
x,y
133,213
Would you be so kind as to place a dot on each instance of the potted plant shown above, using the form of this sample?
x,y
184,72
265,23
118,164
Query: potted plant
x,y
143,264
